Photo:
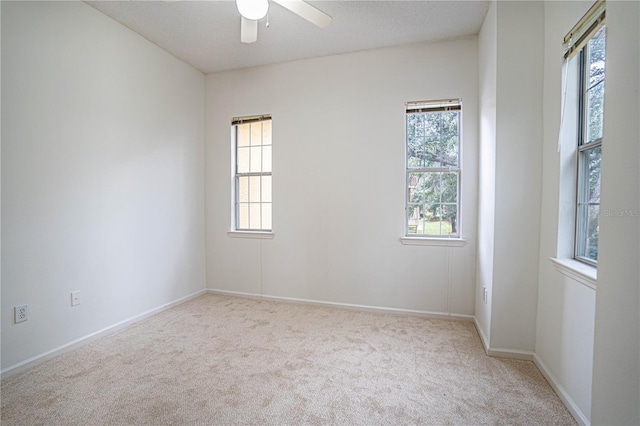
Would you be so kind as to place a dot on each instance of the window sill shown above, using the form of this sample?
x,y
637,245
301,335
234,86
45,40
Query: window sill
x,y
251,235
581,272
424,241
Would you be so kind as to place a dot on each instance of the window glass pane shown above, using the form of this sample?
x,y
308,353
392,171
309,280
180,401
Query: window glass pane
x,y
450,139
592,158
592,232
424,187
266,132
254,189
243,134
431,144
256,133
243,189
595,85
449,217
416,152
414,158
432,203
256,159
588,203
595,110
433,187
266,215
266,189
415,125
254,216
449,187
597,58
266,159
243,160
243,216
431,149
588,230
436,220
416,142
414,188
432,218
432,139
415,219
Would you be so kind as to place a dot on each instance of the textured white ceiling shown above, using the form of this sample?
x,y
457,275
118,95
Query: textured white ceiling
x,y
206,34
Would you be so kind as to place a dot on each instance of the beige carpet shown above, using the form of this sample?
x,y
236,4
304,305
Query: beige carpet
x,y
225,360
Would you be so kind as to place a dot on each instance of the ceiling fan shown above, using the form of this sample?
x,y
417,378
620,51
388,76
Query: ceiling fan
x,y
254,10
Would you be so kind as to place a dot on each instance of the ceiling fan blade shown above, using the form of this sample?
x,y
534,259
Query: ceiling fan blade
x,y
306,11
248,30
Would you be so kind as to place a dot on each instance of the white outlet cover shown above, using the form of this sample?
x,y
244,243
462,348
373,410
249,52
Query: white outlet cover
x,y
21,313
75,298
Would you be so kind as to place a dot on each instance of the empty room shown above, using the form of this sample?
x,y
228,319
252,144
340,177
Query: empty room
x,y
323,212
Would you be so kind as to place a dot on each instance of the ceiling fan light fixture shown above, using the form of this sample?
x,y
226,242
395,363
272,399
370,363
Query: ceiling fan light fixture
x,y
253,9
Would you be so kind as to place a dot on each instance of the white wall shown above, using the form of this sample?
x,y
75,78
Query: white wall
x,y
338,131
598,376
518,174
510,174
616,365
102,175
487,74
566,307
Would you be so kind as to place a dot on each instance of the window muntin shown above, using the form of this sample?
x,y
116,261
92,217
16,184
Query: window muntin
x,y
433,169
253,167
591,107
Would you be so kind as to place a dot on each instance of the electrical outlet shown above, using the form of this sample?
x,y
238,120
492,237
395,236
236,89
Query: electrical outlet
x,y
75,298
21,313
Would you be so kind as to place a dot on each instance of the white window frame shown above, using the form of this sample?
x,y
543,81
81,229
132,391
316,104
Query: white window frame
x,y
585,146
409,238
236,230
569,148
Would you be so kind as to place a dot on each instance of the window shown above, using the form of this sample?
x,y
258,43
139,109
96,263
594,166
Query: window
x,y
580,142
589,152
252,180
433,169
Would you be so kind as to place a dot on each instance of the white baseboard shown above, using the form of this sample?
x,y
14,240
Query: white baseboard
x,y
425,314
483,338
562,393
510,353
500,352
38,359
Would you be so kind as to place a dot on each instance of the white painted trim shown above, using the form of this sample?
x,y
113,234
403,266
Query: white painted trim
x,y
561,392
425,314
581,272
426,241
501,352
510,353
39,359
251,235
483,338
